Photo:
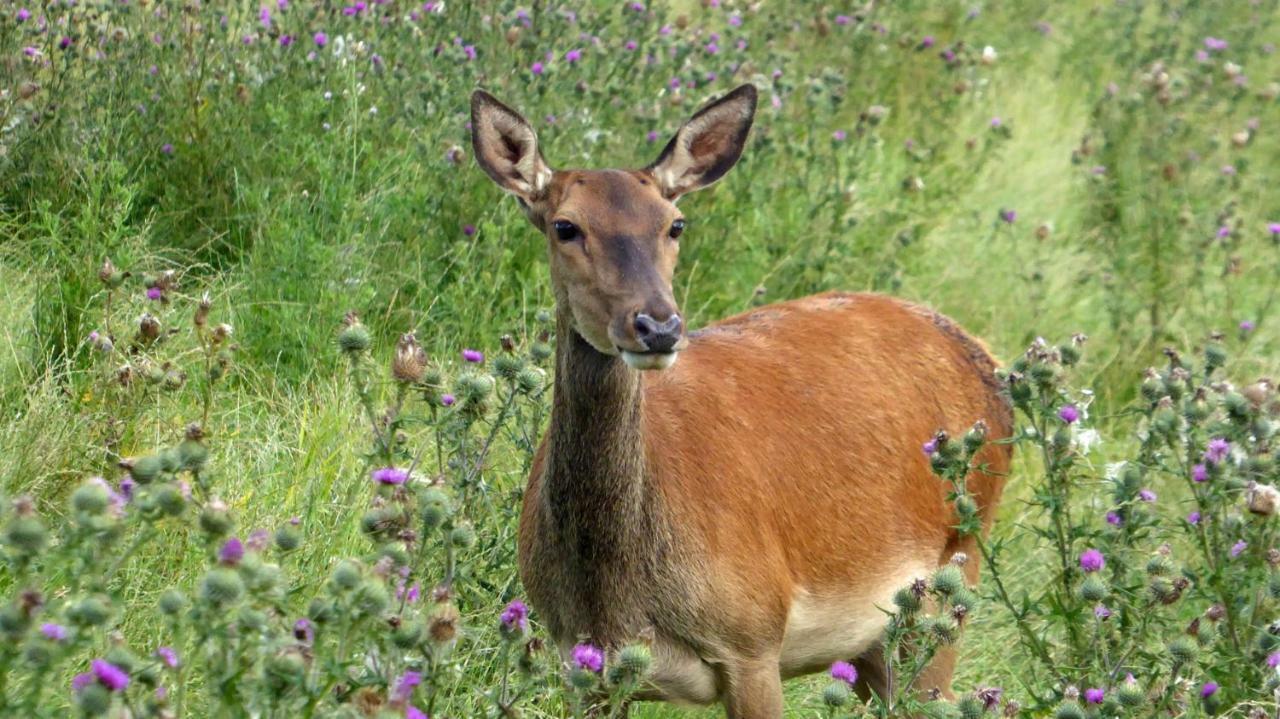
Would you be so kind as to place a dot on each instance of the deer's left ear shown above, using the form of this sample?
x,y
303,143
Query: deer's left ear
x,y
506,148
706,146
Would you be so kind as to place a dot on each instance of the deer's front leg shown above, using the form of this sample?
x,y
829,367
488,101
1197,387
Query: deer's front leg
x,y
753,689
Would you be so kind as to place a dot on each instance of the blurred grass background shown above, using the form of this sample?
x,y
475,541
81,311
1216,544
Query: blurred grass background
x,y
298,188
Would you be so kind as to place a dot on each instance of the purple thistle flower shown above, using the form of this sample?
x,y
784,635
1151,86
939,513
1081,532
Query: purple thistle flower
x,y
1215,44
712,48
412,712
996,122
264,17
320,39
1114,519
232,552
1238,548
927,42
588,657
573,56
843,19
1208,690
1069,413
1273,660
468,230
110,675
631,45
1228,170
990,697
302,630
167,148
1193,518
1223,232
259,539
515,616
54,632
168,656
393,476
1247,326
474,356
1200,473
1091,560
845,672
930,447
1274,228
652,136
404,688
80,681
735,20
154,293
1217,450
1146,495
1094,696
1102,612
410,595
839,135
23,14
448,400
1008,216
469,51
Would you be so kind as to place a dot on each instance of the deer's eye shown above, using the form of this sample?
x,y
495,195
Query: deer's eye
x,y
565,230
677,228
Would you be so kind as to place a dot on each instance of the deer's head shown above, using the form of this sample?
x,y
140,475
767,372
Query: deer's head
x,y
613,235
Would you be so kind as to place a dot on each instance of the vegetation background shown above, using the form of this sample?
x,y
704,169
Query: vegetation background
x,y
1028,168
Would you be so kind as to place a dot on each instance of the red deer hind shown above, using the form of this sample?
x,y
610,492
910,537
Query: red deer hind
x,y
753,506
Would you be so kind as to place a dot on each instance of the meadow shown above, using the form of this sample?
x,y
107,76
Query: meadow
x,y
219,221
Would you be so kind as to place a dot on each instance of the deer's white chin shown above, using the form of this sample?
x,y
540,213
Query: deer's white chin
x,y
649,360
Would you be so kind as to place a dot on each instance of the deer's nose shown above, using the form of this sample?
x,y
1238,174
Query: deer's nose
x,y
658,336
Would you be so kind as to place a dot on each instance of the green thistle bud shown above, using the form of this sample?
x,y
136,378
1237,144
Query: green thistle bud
x,y
38,653
92,611
1152,387
13,622
635,659
354,338
531,379
90,498
964,598
346,576
948,579
26,534
1159,566
836,694
172,602
582,680
221,586
970,707
508,366
123,658
1069,709
1183,650
1130,695
463,536
146,469
543,316
288,538
939,709
433,507
1093,588
540,351
94,700
975,437
395,552
372,598
169,499
170,460
215,520
192,455
250,620
320,610
1069,353
285,671
408,634
1215,356
966,508
1238,408
943,629
382,522
906,601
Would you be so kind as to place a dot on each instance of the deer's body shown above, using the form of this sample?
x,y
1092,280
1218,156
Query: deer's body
x,y
753,507
760,501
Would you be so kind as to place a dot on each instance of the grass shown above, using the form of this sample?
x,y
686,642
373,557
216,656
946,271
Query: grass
x,y
292,201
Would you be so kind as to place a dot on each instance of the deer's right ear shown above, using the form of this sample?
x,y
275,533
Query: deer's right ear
x,y
507,148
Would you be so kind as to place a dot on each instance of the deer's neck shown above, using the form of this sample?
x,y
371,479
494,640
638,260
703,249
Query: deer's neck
x,y
596,489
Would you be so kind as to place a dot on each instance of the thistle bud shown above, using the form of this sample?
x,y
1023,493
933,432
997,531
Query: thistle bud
x,y
346,576
531,379
463,536
221,586
1069,709
433,507
169,500
287,538
1093,588
148,328
25,533
943,629
971,707
442,627
372,598
906,601
172,602
90,498
354,337
948,580
410,361
836,694
110,276
407,634
1183,650
202,310
93,700
974,438
1130,694
508,366
215,519
284,671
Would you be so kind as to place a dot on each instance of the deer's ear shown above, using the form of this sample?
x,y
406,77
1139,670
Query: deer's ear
x,y
706,146
506,148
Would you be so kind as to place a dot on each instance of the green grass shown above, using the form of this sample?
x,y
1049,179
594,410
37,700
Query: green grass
x,y
292,209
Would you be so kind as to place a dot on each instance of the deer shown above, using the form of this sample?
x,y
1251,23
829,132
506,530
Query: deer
x,y
747,496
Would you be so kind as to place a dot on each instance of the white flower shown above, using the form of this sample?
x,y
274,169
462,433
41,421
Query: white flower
x,y
989,55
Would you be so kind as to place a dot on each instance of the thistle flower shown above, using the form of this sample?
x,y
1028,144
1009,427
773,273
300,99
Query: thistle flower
x,y
1215,44
410,361
1238,548
1193,518
168,656
448,400
1102,612
1068,413
515,617
1247,326
392,476
1008,216
23,14
474,356
1199,473
412,712
573,56
406,684
845,672
232,552
537,68
1208,689
320,38
588,657
1114,519
1094,696
1273,660
53,632
1217,450
1146,495
110,675
1091,560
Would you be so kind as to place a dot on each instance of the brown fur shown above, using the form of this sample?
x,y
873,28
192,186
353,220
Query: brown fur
x,y
780,457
